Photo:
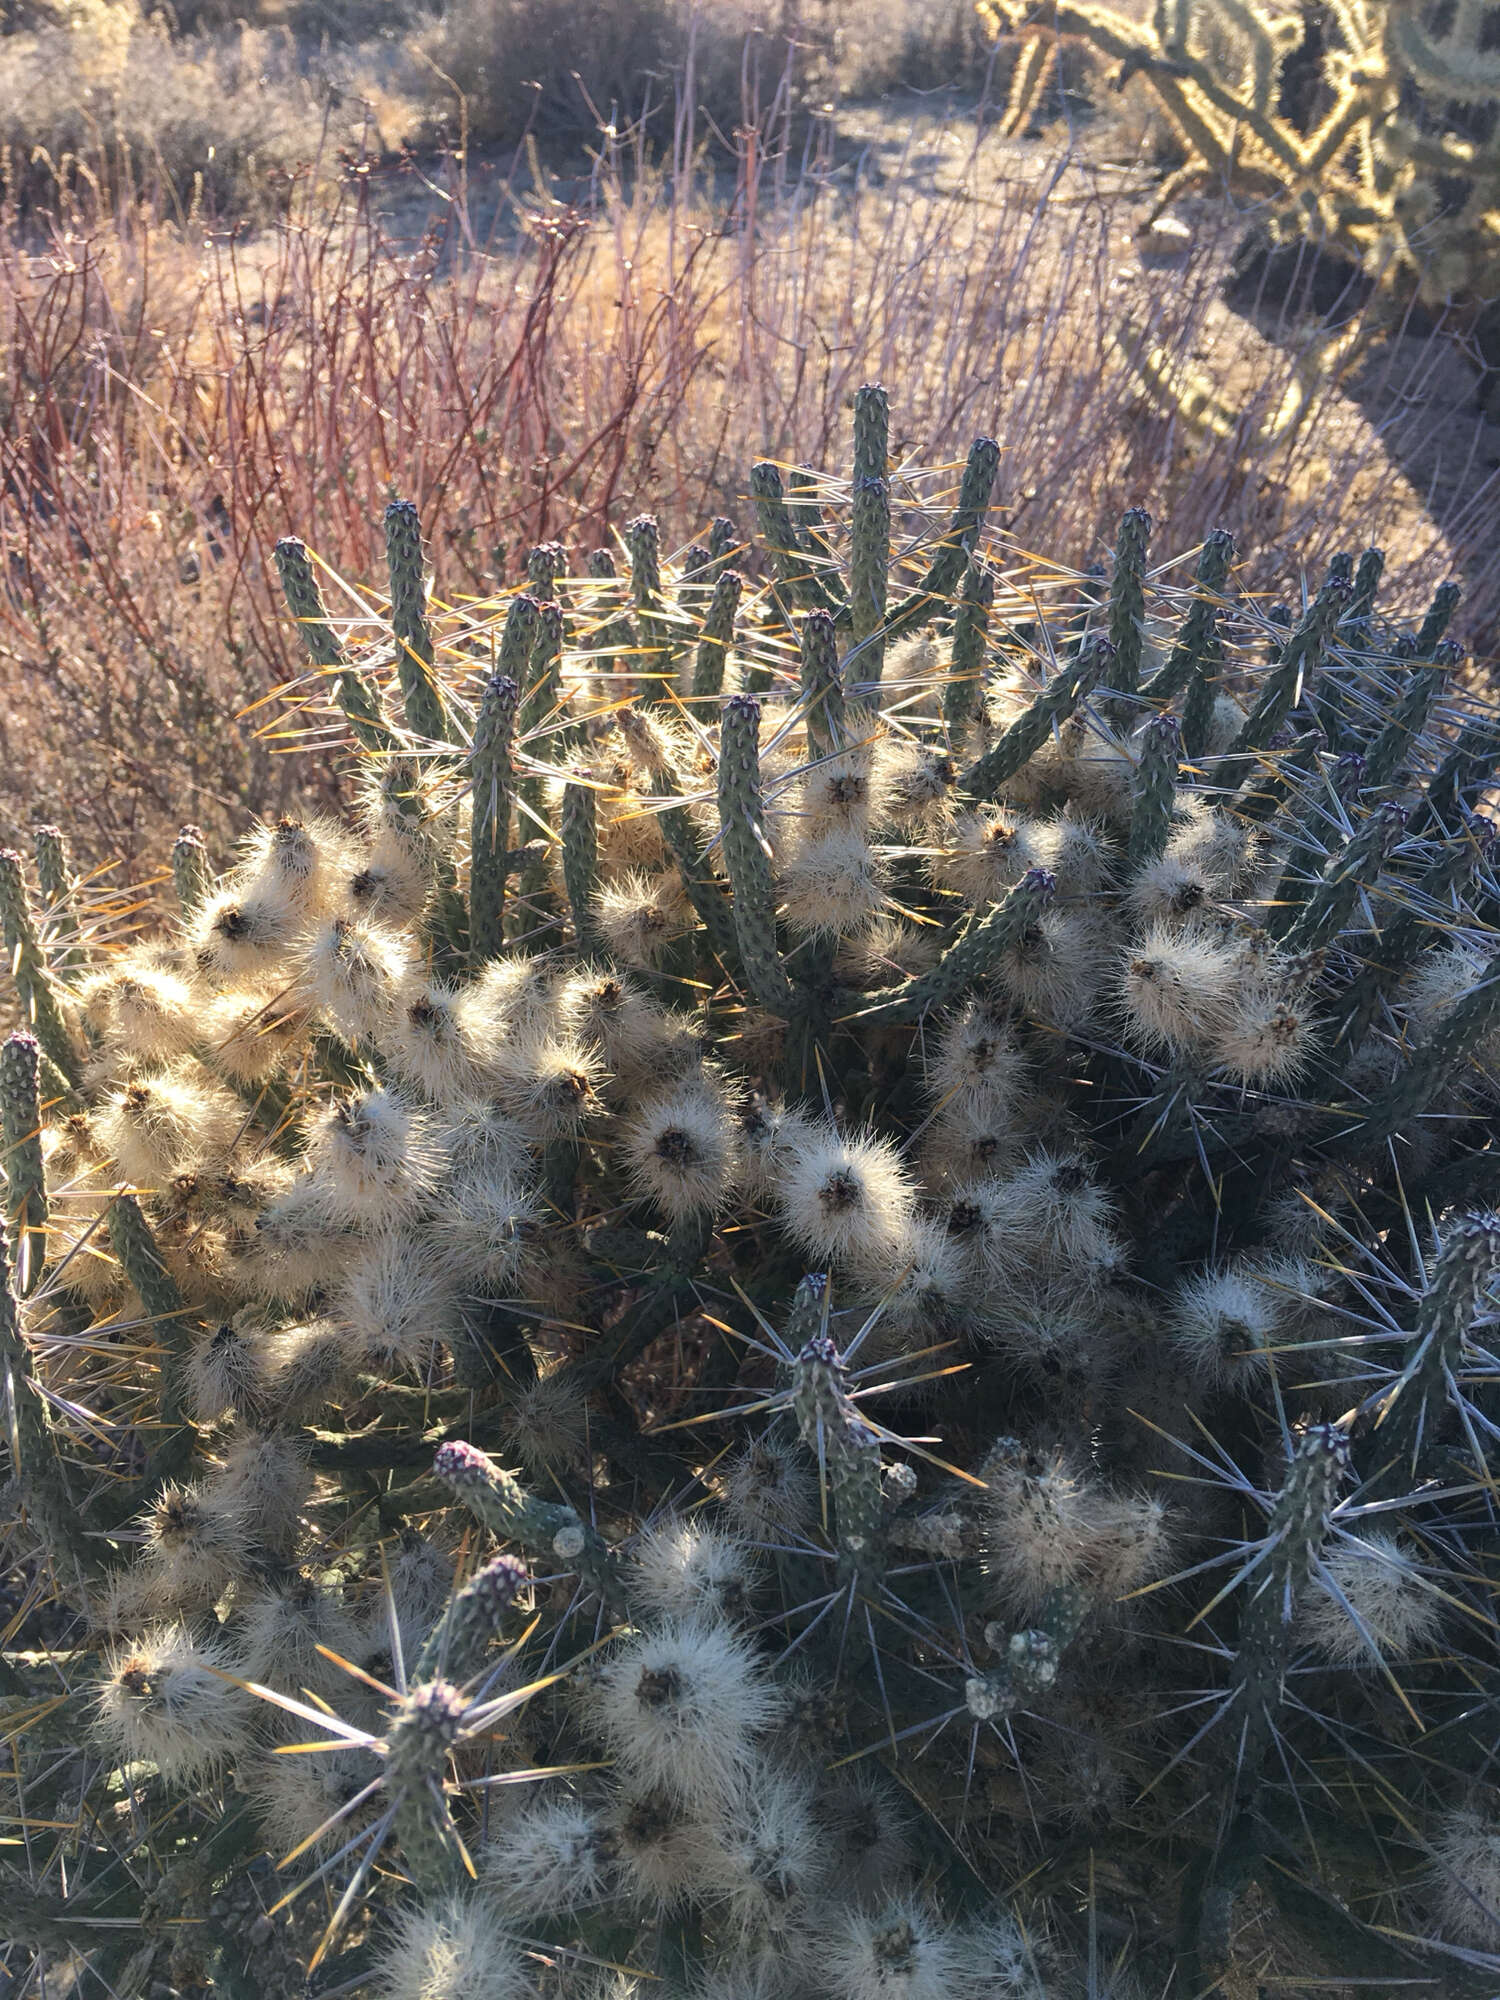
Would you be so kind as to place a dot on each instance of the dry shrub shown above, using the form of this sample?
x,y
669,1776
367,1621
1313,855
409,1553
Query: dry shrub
x,y
170,405
557,68
103,104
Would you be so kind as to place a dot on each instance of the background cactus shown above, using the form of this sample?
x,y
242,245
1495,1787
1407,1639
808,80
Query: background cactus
x,y
1367,126
919,1151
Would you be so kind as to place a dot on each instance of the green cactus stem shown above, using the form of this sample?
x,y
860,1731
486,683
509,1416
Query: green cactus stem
x,y
747,857
41,1009
134,1245
1445,601
971,630
1299,1522
1404,729
822,689
1072,684
1367,575
356,696
1401,941
794,568
1294,669
456,1645
1154,789
544,565
491,780
717,636
54,876
1436,1062
1416,1412
420,1737
1030,1659
549,1530
1127,598
846,1448
704,889
1350,873
580,861
957,543
35,1455
420,694
870,532
973,957
1197,654
192,878
25,1173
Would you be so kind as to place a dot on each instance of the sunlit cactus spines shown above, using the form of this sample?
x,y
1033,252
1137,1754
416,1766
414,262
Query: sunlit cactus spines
x,y
809,1312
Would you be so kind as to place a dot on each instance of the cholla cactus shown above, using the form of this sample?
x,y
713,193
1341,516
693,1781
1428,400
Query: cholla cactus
x,y
842,1239
1367,125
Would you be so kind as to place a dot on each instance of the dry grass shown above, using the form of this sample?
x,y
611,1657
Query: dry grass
x,y
541,366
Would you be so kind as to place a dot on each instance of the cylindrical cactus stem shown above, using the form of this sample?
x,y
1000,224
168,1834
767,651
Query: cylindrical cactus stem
x,y
957,545
822,689
547,1529
643,540
25,1172
723,540
409,626
1400,942
973,957
135,1246
654,662
1084,617
60,922
807,514
456,1645
1073,683
420,1737
37,1461
971,631
717,636
1296,665
1437,1061
541,703
747,855
1267,792
192,878
491,780
304,599
870,531
1384,757
544,565
845,1446
1127,598
1196,655
1415,1411
1299,1522
1356,868
1470,765
792,566
518,639
695,579
41,1011
1155,789
1030,1659
612,641
704,889
1367,575
1445,601
580,861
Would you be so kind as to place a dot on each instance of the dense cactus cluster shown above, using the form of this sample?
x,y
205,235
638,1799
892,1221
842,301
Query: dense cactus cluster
x,y
810,1317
